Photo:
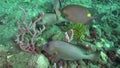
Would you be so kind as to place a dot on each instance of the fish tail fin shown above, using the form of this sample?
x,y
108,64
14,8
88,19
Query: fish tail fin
x,y
94,56
98,18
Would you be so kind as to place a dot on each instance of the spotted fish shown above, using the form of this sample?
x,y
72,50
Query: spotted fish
x,y
77,13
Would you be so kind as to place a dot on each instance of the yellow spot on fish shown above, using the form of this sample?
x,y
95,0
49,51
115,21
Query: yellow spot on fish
x,y
89,15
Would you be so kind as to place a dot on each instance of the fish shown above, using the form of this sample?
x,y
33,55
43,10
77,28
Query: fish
x,y
49,19
65,51
77,14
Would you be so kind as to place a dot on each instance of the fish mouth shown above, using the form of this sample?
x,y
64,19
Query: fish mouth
x,y
64,15
45,47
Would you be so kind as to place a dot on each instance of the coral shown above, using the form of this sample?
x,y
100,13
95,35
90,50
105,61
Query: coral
x,y
91,65
86,3
27,34
54,33
69,35
79,30
104,57
95,31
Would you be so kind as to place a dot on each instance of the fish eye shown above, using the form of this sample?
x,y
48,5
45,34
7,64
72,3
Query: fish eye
x,y
89,15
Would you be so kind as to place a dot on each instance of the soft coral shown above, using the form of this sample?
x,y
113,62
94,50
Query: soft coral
x,y
27,43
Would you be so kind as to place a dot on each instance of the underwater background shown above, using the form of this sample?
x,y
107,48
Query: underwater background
x,y
59,33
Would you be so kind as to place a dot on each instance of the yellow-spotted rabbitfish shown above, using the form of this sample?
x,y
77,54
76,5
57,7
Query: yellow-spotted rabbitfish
x,y
77,13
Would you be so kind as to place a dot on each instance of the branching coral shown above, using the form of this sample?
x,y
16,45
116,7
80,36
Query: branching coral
x,y
27,34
